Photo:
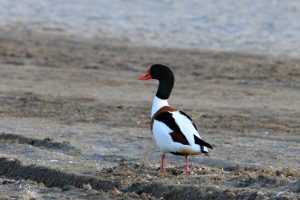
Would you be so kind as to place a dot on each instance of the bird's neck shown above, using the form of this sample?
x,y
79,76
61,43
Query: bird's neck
x,y
165,86
163,93
158,104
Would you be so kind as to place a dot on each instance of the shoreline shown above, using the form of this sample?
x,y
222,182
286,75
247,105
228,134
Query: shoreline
x,y
18,32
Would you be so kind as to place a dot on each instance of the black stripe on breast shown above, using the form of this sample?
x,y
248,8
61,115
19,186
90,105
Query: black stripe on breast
x,y
168,120
202,143
183,113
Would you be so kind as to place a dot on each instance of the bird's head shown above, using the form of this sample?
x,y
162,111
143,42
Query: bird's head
x,y
158,72
165,77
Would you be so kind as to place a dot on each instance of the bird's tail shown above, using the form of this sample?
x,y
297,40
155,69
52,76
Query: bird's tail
x,y
204,150
203,145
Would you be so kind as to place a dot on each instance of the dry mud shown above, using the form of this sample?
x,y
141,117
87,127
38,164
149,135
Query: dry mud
x,y
74,121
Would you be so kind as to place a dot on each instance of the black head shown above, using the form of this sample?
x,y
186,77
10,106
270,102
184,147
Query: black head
x,y
161,72
165,77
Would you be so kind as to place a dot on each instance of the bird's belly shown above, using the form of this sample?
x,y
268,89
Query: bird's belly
x,y
166,144
164,141
188,150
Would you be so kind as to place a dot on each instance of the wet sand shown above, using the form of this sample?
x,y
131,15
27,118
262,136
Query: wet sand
x,y
74,121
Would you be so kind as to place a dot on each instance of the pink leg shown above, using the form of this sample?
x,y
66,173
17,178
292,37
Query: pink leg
x,y
163,165
187,168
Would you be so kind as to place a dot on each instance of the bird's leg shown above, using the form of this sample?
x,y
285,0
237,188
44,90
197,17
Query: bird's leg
x,y
187,168
163,165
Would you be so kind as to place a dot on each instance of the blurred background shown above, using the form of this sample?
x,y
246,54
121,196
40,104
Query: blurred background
x,y
74,118
266,26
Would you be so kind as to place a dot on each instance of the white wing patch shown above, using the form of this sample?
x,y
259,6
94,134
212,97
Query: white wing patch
x,y
186,126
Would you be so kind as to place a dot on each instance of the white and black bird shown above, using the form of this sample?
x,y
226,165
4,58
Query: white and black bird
x,y
173,130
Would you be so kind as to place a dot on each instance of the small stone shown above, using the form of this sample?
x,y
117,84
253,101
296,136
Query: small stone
x,y
47,139
117,191
278,173
87,186
14,141
110,170
66,142
148,176
91,66
28,55
8,181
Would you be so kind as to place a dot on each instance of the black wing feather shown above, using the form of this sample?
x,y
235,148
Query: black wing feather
x,y
168,120
202,142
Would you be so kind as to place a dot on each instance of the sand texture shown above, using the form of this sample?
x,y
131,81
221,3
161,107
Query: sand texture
x,y
74,121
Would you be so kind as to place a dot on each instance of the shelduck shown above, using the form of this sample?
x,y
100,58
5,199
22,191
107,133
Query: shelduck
x,y
173,130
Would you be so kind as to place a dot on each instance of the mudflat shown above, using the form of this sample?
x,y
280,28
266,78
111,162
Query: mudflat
x,y
74,121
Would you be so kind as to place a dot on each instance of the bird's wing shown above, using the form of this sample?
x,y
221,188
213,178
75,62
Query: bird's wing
x,y
166,119
180,127
184,114
188,128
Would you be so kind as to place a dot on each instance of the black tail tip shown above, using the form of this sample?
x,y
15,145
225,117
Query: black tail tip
x,y
209,146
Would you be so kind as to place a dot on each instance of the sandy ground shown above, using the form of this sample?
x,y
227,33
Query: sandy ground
x,y
74,121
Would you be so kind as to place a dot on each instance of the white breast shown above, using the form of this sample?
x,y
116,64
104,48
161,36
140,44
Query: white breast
x,y
158,104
